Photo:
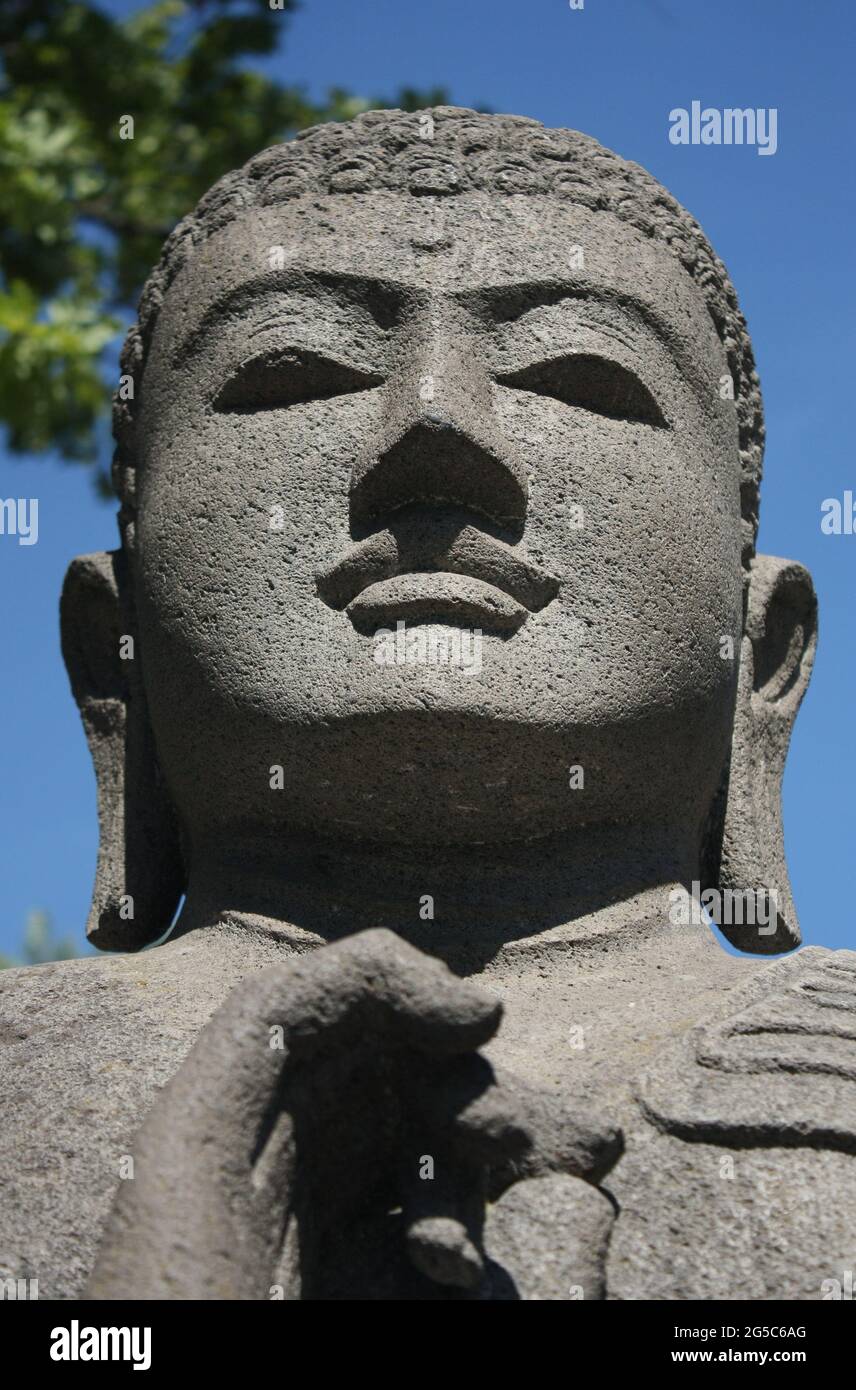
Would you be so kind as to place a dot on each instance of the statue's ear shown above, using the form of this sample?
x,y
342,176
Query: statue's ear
x,y
745,847
139,877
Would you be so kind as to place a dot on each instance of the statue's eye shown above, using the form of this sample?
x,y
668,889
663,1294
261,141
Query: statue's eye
x,y
274,380
593,383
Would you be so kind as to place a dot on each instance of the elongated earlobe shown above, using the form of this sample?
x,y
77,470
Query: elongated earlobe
x,y
745,852
139,877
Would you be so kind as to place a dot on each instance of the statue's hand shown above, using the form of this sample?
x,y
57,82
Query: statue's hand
x,y
334,1110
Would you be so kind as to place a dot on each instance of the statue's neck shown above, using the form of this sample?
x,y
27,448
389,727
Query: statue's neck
x,y
472,905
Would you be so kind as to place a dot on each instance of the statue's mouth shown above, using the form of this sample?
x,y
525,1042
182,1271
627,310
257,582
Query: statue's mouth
x,y
423,597
436,568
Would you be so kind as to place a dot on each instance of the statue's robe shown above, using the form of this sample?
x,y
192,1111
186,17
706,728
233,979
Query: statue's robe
x,y
85,1046
741,1177
736,1093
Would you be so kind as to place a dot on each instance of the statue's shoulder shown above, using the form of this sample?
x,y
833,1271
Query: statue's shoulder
x,y
77,1001
36,1000
86,1045
20,980
72,1092
775,1067
105,1006
80,1038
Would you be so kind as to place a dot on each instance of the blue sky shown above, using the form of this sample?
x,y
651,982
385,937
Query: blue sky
x,y
782,224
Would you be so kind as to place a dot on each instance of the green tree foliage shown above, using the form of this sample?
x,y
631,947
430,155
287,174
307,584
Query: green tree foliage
x,y
40,944
83,212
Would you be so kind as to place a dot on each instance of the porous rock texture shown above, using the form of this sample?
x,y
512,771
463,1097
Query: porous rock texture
x,y
439,1018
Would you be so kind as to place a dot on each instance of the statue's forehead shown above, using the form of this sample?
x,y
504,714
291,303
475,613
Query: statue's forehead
x,y
448,247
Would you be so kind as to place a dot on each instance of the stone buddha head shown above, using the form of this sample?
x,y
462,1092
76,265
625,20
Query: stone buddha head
x,y
401,380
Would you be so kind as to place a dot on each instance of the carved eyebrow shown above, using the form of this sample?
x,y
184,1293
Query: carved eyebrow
x,y
499,304
507,303
382,299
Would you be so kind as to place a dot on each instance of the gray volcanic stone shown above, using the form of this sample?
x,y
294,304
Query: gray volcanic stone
x,y
553,1233
368,1043
438,675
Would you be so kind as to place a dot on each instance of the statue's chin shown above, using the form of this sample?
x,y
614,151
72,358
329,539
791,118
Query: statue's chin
x,y
414,755
445,776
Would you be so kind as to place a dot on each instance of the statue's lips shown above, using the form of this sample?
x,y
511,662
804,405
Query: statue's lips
x,y
419,571
427,597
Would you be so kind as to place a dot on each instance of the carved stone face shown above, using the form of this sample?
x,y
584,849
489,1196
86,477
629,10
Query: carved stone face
x,y
479,413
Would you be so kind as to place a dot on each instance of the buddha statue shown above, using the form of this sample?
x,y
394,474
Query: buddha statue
x,y
439,701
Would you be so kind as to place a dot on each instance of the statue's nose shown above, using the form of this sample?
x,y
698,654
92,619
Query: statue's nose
x,y
439,440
